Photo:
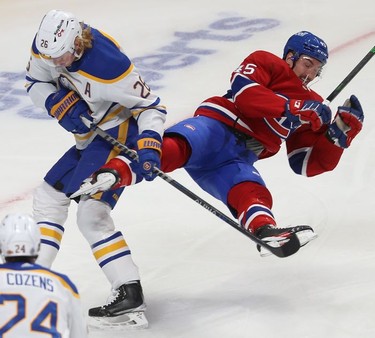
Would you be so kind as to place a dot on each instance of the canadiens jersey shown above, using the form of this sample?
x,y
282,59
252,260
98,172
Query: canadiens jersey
x,y
106,79
37,302
255,104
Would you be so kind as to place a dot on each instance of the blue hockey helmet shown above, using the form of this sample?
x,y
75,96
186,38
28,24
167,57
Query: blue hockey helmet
x,y
308,44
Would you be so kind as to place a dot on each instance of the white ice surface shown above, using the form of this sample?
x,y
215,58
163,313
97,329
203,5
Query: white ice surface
x,y
201,278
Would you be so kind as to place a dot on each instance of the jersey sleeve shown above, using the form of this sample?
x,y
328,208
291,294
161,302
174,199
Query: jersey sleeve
x,y
311,153
39,80
132,92
76,320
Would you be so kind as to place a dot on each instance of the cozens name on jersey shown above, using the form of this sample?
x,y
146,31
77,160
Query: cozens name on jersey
x,y
30,280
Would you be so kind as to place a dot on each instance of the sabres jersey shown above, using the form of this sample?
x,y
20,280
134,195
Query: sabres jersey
x,y
255,104
106,79
38,302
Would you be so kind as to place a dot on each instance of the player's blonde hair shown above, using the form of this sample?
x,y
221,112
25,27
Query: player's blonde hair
x,y
84,41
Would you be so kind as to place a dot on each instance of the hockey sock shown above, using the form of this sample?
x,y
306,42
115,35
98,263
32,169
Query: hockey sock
x,y
252,203
176,152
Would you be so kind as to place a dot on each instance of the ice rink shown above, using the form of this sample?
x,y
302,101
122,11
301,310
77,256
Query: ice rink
x,y
201,278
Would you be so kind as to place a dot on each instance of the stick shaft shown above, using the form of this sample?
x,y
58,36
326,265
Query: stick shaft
x,y
351,75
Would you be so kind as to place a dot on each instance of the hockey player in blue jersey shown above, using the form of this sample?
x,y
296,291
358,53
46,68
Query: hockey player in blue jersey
x,y
76,70
34,301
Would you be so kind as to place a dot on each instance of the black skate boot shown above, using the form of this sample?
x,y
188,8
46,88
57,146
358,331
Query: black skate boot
x,y
124,308
289,239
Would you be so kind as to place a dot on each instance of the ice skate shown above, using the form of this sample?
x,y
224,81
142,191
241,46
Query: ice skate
x,y
125,308
290,239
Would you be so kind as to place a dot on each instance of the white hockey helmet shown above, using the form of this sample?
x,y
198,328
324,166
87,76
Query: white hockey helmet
x,y
57,33
19,236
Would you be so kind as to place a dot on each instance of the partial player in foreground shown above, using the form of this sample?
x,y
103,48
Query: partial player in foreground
x,y
34,301
269,102
76,70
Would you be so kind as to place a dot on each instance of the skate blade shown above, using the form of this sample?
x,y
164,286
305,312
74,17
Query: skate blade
x,y
304,237
131,320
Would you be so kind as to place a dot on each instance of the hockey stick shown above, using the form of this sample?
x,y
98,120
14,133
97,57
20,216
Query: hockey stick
x,y
351,75
277,251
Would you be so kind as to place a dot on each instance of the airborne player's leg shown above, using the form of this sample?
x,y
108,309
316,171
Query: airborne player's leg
x,y
251,203
222,165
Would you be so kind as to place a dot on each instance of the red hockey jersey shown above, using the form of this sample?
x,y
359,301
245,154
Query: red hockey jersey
x,y
255,106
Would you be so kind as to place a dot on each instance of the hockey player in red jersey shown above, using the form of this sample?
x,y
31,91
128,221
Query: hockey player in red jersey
x,y
269,102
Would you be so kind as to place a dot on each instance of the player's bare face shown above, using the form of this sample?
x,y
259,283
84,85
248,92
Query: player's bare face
x,y
307,68
64,60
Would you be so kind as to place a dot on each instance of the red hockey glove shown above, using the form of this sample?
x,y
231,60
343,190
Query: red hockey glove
x,y
113,175
347,123
314,113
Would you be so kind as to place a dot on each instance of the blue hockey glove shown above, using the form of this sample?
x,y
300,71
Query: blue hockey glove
x,y
149,151
347,123
67,107
310,112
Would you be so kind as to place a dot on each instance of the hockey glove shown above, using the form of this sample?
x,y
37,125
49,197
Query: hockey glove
x,y
347,123
310,112
113,175
67,107
149,152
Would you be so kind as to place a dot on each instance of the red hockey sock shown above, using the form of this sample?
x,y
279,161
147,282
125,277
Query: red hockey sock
x,y
175,153
253,203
